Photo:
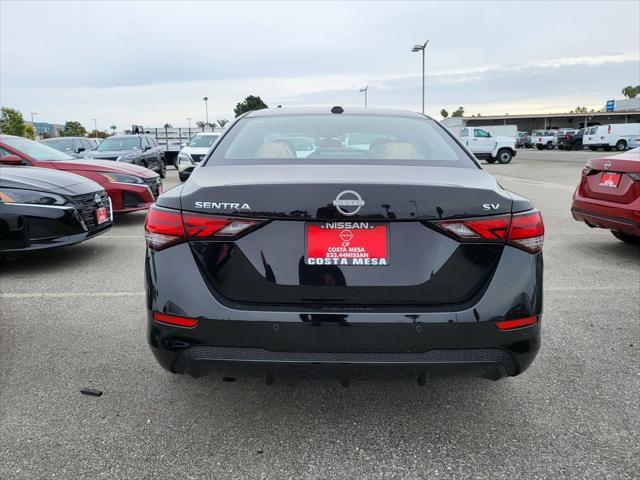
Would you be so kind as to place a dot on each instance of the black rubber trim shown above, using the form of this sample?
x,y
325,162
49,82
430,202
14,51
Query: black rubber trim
x,y
626,221
188,358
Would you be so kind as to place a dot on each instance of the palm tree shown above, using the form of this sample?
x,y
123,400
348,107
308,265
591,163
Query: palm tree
x,y
201,124
113,128
631,92
222,122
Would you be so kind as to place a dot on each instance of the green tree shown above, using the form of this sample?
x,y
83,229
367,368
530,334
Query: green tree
x,y
222,122
250,103
459,112
580,110
73,129
444,113
630,91
29,132
12,122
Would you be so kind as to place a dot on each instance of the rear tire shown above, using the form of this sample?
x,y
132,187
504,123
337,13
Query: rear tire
x,y
621,146
539,147
626,238
550,146
491,160
504,156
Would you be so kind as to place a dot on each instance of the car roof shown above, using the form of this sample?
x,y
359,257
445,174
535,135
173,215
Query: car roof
x,y
205,134
268,112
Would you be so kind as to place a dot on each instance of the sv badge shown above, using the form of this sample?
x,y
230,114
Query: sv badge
x,y
490,206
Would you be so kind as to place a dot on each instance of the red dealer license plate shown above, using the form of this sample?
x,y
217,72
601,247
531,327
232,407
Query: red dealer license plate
x,y
347,243
609,179
102,215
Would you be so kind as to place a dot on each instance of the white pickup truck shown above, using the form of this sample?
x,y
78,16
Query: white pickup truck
x,y
487,147
543,139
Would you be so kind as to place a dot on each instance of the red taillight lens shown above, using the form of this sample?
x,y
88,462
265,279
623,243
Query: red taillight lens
x,y
519,323
527,231
524,230
165,227
175,320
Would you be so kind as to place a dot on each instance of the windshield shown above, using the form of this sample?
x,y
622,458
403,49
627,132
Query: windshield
x,y
119,143
339,139
203,140
62,144
35,150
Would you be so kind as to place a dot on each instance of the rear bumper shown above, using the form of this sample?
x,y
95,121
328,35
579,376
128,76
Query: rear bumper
x,y
396,335
609,215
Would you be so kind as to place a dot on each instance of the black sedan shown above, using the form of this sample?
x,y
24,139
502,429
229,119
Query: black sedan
x,y
142,150
400,250
44,208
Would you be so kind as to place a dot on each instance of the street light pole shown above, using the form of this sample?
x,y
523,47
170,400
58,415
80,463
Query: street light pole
x,y
189,120
421,48
32,122
95,127
365,95
206,109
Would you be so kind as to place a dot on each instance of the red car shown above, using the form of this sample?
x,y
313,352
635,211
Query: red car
x,y
130,187
609,195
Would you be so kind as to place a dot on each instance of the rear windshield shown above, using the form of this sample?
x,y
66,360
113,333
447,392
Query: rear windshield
x,y
344,138
62,144
119,143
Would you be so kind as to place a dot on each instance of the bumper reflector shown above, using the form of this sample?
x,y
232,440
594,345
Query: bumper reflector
x,y
519,323
175,320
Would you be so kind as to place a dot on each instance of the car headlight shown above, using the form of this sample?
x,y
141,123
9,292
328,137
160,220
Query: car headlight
x,y
14,195
122,178
184,156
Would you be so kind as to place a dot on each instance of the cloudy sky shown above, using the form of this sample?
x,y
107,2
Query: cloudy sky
x,y
151,62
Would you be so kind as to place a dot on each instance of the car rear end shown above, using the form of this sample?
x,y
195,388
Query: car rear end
x,y
343,257
608,195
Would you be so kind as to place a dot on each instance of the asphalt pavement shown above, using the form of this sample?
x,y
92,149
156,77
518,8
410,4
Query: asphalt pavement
x,y
75,318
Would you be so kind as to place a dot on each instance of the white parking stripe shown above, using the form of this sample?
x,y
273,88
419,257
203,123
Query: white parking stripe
x,y
70,294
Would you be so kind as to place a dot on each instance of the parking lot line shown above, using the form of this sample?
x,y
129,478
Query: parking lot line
x,y
70,294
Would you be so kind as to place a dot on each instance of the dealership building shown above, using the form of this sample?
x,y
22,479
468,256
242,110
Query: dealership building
x,y
619,111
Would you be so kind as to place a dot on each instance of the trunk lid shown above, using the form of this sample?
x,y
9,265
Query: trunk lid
x,y
608,178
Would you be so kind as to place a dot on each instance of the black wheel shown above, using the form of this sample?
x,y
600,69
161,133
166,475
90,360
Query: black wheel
x,y
491,160
183,176
539,147
163,170
621,145
578,146
505,155
550,146
626,237
144,164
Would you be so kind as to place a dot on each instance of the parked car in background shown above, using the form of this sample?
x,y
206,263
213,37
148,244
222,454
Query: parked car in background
x,y
45,208
543,139
140,150
264,257
523,140
608,137
96,141
608,195
485,146
76,147
191,154
130,187
570,139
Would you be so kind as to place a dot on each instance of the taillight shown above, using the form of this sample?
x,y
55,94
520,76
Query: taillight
x,y
609,130
164,227
634,176
523,230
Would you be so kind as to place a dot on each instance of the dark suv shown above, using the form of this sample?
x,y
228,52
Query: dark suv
x,y
570,140
77,147
140,150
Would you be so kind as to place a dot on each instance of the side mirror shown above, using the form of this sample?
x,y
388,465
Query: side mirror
x,y
146,148
80,149
11,160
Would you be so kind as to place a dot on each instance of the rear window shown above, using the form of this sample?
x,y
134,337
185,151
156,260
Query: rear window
x,y
344,138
